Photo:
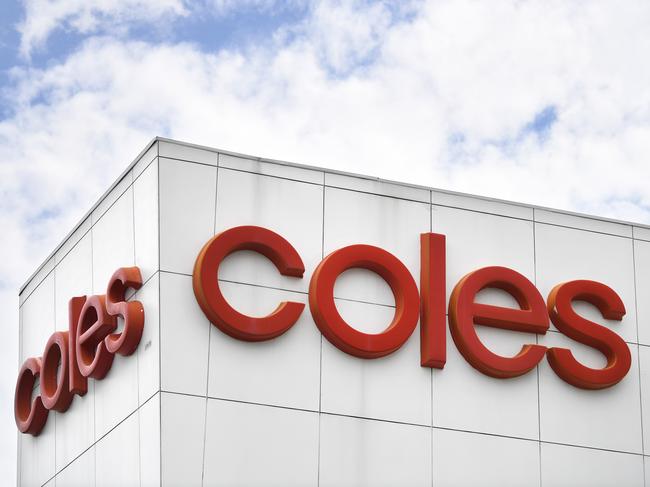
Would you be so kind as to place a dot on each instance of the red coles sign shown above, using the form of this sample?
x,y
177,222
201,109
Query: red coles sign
x,y
85,350
428,305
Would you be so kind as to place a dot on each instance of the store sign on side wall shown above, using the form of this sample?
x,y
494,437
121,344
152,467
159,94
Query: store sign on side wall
x,y
428,305
86,350
88,347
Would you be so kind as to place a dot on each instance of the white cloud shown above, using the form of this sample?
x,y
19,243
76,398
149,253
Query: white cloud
x,y
224,7
43,17
439,95
347,33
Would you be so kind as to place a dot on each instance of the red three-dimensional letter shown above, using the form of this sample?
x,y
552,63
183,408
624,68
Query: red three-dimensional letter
x,y
584,331
464,313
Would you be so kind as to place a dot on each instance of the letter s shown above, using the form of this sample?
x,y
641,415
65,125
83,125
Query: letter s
x,y
589,333
126,342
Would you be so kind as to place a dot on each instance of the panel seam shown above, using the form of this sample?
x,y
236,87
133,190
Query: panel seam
x,y
539,403
638,355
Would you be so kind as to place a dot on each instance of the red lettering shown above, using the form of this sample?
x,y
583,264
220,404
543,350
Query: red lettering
x,y
30,415
78,383
95,324
85,350
56,393
433,320
464,313
334,327
126,342
592,334
213,303
88,348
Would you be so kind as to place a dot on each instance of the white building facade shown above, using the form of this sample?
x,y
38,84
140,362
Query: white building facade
x,y
194,406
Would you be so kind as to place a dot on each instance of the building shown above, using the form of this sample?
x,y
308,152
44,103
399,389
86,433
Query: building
x,y
195,406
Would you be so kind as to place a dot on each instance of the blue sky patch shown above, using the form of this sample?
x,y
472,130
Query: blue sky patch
x,y
542,122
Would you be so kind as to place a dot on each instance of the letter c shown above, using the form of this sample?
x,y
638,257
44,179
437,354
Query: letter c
x,y
30,415
211,300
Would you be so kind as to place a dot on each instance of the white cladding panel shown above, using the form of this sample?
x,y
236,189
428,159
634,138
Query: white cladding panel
x,y
361,452
585,467
281,372
463,459
194,406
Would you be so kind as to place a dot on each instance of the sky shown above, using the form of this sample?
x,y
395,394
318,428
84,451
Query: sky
x,y
543,102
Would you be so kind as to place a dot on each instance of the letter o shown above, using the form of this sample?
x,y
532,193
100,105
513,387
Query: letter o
x,y
334,327
56,394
